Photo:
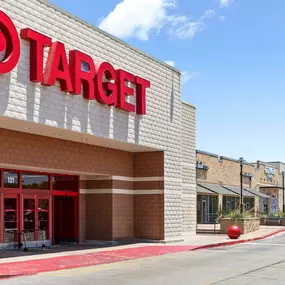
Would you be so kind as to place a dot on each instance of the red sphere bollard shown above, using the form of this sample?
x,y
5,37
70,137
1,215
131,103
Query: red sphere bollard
x,y
233,232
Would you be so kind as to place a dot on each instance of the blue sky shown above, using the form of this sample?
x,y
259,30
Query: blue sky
x,y
231,53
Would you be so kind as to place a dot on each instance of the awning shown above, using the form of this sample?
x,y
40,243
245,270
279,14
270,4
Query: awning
x,y
217,189
238,192
257,193
203,190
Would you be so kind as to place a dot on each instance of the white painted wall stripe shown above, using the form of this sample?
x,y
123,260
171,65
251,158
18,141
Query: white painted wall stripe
x,y
133,179
123,178
121,191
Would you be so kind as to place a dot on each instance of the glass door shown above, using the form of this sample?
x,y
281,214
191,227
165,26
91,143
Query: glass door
x,y
29,218
43,219
11,218
36,217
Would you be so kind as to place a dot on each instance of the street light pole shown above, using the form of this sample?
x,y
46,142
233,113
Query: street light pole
x,y
241,186
283,191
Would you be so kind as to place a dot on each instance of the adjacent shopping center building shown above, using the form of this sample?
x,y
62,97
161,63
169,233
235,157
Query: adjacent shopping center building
x,y
95,141
219,186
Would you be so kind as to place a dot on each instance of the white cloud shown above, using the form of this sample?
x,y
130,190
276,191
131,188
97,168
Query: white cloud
x,y
137,18
170,62
223,18
142,18
186,76
226,3
208,14
185,28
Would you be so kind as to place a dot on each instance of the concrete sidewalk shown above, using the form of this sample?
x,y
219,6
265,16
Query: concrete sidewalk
x,y
207,239
27,265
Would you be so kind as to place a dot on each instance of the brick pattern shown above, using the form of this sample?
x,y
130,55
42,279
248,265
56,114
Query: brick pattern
x,y
189,201
227,171
149,164
132,216
149,217
37,151
99,217
161,128
149,185
123,217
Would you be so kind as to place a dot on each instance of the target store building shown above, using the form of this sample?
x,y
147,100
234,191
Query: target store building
x,y
96,144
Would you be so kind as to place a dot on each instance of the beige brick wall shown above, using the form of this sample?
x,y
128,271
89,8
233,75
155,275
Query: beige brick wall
x,y
227,171
188,194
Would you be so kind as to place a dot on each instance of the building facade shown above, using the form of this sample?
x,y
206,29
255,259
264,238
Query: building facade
x,y
96,143
218,186
281,169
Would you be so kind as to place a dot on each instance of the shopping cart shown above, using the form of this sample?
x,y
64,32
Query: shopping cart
x,y
26,234
19,239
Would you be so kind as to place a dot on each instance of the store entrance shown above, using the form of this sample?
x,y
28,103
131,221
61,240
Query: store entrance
x,y
65,219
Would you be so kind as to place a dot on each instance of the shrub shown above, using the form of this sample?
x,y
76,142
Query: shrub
x,y
278,214
236,215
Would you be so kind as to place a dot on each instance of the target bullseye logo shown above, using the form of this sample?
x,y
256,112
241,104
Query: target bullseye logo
x,y
9,44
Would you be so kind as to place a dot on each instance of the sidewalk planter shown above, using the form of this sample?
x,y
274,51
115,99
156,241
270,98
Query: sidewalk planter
x,y
282,222
246,225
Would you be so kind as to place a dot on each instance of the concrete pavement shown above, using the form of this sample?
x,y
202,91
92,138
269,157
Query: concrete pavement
x,y
28,265
261,262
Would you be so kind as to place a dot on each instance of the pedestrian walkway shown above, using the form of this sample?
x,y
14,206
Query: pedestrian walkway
x,y
27,265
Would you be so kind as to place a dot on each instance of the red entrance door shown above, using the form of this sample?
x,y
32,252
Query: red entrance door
x,y
11,218
65,219
36,216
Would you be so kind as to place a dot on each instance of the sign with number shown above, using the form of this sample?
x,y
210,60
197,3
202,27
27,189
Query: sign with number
x,y
11,179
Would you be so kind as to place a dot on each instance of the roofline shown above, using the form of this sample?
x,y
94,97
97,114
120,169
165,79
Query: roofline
x,y
276,162
222,157
189,104
266,164
61,10
207,153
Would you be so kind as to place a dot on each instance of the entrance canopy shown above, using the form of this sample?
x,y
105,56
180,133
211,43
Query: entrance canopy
x,y
238,192
202,190
257,193
217,189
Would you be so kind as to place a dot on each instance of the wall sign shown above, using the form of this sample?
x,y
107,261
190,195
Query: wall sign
x,y
269,170
101,82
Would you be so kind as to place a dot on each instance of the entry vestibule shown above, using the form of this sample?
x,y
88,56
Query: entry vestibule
x,y
38,205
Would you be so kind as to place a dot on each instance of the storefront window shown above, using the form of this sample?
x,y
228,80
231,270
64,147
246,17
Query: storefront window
x,y
230,203
35,181
249,204
43,211
11,179
64,183
207,209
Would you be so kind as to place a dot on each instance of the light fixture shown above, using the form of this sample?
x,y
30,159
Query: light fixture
x,y
84,139
27,129
58,135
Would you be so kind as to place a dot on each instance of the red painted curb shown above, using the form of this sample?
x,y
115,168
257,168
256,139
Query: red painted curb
x,y
237,241
32,267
